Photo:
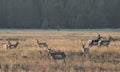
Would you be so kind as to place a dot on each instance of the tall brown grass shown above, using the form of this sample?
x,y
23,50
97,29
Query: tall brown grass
x,y
29,57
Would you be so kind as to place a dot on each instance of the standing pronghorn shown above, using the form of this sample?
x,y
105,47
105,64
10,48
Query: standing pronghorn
x,y
86,49
95,41
105,42
57,55
9,45
42,44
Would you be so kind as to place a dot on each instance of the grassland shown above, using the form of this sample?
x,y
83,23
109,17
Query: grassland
x,y
28,57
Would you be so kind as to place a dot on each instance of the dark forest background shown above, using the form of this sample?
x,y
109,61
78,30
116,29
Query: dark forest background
x,y
45,14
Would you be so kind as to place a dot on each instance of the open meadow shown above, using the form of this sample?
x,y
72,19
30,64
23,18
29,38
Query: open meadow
x,y
29,57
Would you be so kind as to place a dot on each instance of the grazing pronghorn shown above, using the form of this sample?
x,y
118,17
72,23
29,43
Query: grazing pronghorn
x,y
95,41
9,45
105,42
86,49
42,44
57,55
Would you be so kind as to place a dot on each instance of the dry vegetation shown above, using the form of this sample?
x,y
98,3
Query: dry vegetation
x,y
28,57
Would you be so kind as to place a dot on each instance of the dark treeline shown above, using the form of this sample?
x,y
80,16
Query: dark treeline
x,y
46,14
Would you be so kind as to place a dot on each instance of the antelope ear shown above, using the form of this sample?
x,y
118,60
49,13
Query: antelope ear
x,y
37,40
98,34
83,44
9,41
110,36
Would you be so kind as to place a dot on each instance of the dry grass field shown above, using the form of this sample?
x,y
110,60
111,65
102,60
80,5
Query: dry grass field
x,y
29,57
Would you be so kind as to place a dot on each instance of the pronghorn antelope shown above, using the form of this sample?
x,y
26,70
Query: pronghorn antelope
x,y
86,50
57,55
42,44
95,41
9,45
105,42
